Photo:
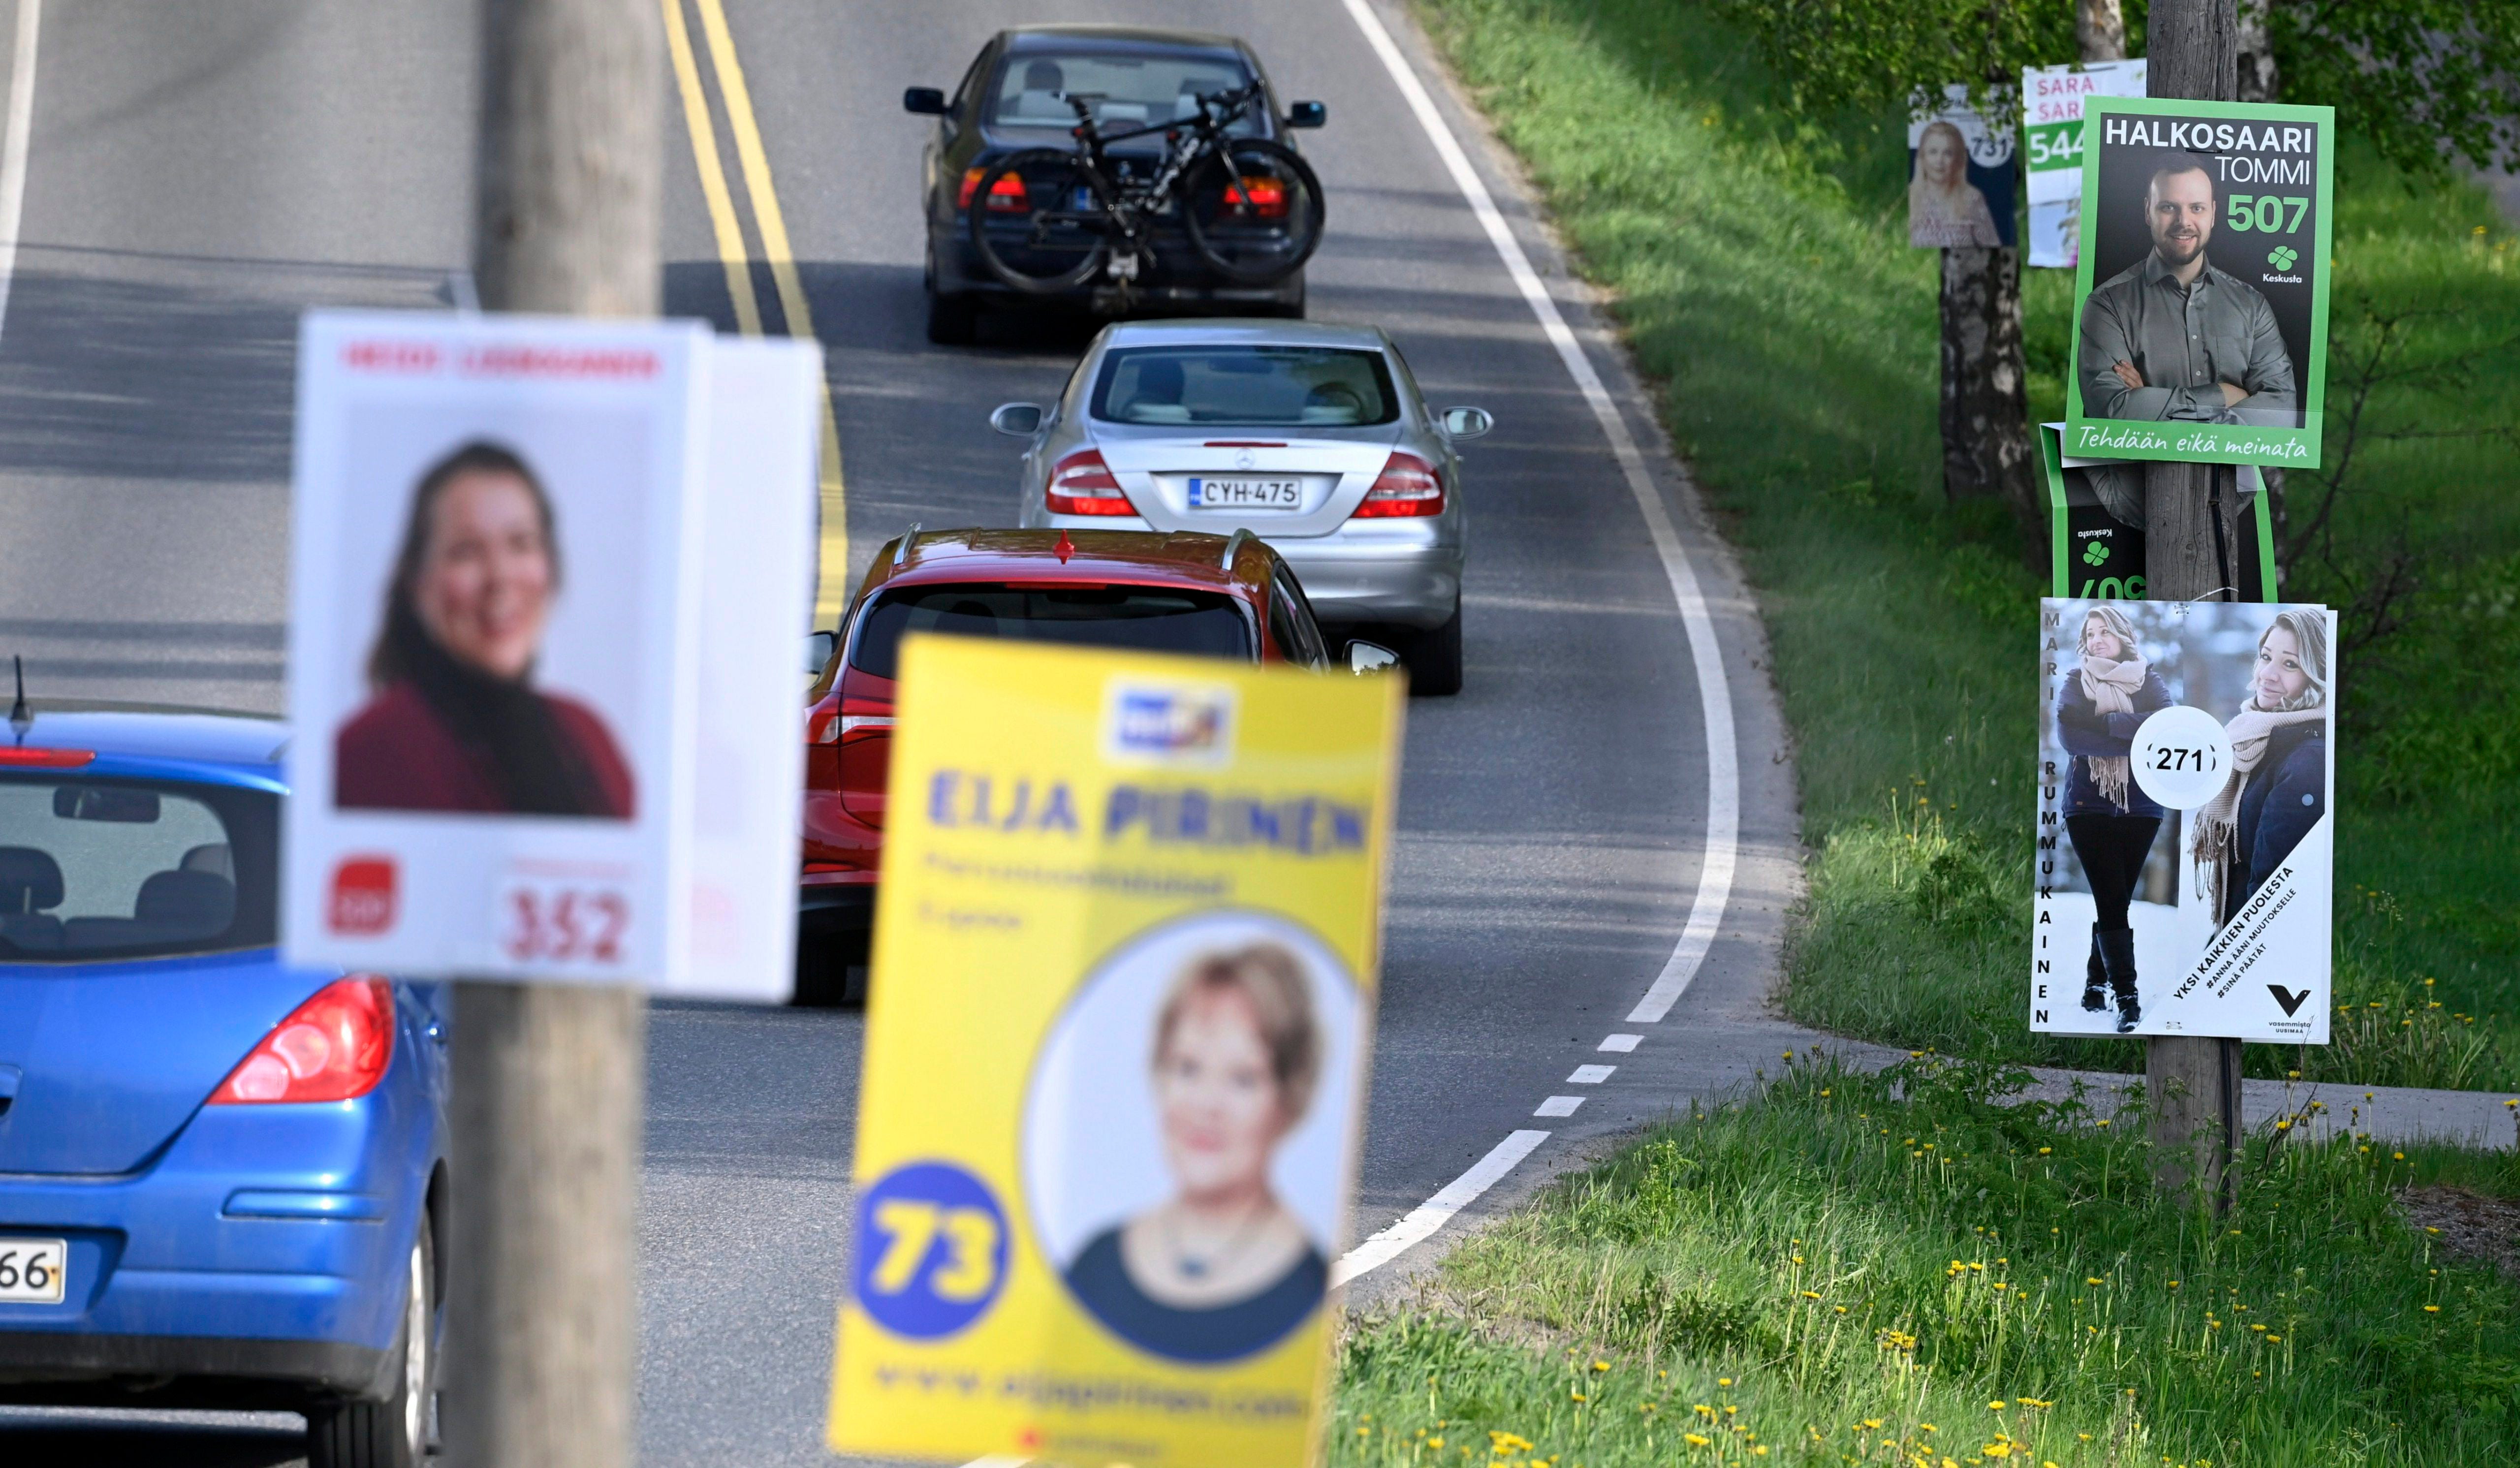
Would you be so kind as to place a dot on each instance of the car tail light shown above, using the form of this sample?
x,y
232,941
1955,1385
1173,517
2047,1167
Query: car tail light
x,y
835,728
332,1047
49,759
865,763
1257,198
1407,486
1005,196
1082,484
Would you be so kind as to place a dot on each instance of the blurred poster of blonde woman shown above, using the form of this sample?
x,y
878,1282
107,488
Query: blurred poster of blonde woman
x,y
1943,208
2277,789
1222,1268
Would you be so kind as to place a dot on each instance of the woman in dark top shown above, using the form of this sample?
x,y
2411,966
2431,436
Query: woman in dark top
x,y
454,723
1222,1269
2278,784
2109,820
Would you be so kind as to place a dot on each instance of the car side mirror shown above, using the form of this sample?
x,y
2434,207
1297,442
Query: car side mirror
x,y
1307,114
1019,419
1370,657
819,647
1466,422
926,102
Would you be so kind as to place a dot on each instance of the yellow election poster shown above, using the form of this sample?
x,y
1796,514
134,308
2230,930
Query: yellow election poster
x,y
1116,1052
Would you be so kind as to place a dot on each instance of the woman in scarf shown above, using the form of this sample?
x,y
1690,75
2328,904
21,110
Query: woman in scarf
x,y
2279,784
2108,818
1943,208
455,723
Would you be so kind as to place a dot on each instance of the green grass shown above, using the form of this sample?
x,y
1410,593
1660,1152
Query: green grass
x,y
1759,268
1824,1271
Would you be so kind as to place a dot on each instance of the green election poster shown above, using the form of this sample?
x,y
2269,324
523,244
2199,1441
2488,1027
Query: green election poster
x,y
2201,295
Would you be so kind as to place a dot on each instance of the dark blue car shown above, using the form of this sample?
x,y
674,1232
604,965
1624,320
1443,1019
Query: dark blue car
x,y
221,1178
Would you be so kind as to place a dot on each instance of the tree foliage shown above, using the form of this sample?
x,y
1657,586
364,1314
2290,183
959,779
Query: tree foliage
x,y
2420,79
2415,77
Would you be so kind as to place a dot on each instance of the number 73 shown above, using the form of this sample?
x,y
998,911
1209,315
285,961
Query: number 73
x,y
909,1226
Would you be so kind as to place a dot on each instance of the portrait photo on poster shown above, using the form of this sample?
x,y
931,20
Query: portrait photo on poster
x,y
506,550
1190,1132
2185,834
1960,178
2203,307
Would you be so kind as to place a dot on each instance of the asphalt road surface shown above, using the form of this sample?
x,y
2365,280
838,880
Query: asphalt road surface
x,y
191,184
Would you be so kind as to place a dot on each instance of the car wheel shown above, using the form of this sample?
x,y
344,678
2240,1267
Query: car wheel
x,y
392,1433
831,971
953,320
1434,657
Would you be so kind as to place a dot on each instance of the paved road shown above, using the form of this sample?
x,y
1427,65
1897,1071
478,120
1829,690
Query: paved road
x,y
190,186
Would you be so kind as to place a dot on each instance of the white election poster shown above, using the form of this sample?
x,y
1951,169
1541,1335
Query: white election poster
x,y
2051,130
500,550
2185,825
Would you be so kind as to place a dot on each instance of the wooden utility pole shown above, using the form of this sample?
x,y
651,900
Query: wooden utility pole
x,y
542,1305
2193,1082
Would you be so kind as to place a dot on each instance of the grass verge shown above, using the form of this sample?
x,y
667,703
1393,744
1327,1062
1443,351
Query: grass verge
x,y
1760,270
1904,1269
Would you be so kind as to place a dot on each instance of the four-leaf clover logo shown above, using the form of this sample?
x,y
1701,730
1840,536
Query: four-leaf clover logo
x,y
2095,553
2282,257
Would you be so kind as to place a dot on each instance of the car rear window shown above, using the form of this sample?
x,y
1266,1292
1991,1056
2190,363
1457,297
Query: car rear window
x,y
1247,386
1129,91
93,868
1137,618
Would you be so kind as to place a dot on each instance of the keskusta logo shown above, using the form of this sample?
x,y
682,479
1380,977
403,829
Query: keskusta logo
x,y
2282,257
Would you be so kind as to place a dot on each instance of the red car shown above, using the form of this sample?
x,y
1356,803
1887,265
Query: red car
x,y
1210,596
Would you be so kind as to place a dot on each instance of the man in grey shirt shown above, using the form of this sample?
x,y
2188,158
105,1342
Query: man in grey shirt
x,y
2172,337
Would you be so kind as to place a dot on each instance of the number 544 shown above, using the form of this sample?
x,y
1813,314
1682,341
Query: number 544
x,y
2264,213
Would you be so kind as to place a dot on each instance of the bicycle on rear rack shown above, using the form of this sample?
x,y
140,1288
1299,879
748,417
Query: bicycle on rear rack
x,y
1048,222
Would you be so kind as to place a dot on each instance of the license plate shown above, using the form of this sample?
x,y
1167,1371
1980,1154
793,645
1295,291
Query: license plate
x,y
34,1271
1247,494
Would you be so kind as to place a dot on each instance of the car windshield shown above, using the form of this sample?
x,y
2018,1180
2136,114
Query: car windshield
x,y
1137,618
92,870
1247,386
1129,91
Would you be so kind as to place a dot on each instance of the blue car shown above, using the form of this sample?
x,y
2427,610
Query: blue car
x,y
222,1178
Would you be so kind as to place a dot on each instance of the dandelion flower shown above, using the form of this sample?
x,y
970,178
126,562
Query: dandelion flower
x,y
2043,1151
2102,1122
2432,1309
1694,1441
2093,1279
2275,1338
1995,1406
1724,1381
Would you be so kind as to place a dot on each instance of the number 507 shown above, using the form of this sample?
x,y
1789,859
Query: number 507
x,y
2264,213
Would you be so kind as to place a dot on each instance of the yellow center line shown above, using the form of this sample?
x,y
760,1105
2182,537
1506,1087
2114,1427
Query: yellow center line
x,y
831,595
721,204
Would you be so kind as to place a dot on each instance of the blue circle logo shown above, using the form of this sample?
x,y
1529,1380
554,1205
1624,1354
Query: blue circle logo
x,y
931,1249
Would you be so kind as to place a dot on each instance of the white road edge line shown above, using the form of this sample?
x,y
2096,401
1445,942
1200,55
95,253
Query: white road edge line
x,y
1714,696
13,144
1421,1222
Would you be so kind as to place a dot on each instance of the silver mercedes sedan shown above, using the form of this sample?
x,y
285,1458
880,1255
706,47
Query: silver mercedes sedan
x,y
1313,437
